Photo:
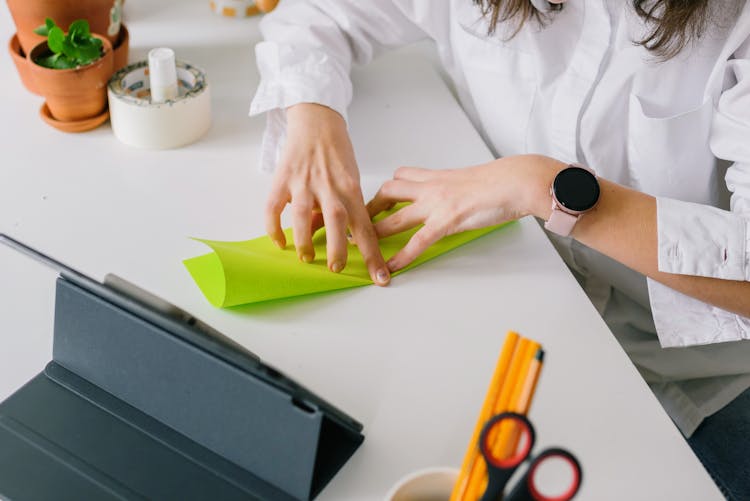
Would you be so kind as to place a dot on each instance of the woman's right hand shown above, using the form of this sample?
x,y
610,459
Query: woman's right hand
x,y
318,176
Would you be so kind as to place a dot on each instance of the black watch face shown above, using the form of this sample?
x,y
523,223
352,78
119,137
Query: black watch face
x,y
576,189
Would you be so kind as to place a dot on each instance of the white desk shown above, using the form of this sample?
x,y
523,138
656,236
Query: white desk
x,y
411,361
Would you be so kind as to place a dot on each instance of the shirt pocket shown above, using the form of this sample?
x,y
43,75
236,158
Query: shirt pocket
x,y
669,154
500,79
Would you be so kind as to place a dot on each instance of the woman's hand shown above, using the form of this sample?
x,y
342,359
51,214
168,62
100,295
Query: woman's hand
x,y
318,176
452,201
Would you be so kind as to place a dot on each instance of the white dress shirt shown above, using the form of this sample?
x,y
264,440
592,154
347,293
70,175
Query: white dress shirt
x,y
580,90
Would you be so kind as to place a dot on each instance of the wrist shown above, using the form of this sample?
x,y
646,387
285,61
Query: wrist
x,y
317,123
312,111
541,172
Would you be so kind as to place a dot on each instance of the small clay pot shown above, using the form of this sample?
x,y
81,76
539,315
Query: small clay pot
x,y
121,49
104,16
74,94
22,64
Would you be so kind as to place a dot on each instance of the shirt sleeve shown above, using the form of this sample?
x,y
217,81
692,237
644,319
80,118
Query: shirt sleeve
x,y
308,51
706,241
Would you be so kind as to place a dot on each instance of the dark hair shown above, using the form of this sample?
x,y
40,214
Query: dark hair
x,y
674,23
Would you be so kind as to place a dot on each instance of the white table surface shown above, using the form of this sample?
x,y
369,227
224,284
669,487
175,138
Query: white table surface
x,y
411,361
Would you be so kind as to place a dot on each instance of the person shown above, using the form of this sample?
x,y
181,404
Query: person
x,y
651,95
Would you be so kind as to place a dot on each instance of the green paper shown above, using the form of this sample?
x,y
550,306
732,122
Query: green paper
x,y
252,271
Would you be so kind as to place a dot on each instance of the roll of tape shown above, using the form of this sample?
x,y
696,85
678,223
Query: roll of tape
x,y
234,8
138,122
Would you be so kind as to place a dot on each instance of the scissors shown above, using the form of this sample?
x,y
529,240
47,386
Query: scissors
x,y
499,470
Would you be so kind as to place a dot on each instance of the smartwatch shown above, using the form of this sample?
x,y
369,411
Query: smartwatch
x,y
574,191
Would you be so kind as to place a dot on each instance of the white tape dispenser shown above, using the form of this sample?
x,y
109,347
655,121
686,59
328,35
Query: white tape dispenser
x,y
160,103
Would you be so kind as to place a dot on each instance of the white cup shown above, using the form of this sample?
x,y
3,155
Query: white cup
x,y
429,484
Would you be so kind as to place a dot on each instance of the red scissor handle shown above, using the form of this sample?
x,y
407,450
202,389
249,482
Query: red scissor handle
x,y
518,456
500,468
553,452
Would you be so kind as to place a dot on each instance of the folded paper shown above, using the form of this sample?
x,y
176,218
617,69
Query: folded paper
x,y
252,271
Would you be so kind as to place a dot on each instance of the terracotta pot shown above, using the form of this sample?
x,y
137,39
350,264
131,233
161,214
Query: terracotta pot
x,y
74,94
22,65
121,49
103,17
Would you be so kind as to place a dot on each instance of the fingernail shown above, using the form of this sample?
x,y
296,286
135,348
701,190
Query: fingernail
x,y
278,244
382,276
307,258
391,265
337,267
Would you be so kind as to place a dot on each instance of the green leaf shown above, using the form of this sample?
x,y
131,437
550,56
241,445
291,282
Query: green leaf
x,y
63,63
46,61
44,29
77,48
89,51
56,62
79,29
55,40
69,49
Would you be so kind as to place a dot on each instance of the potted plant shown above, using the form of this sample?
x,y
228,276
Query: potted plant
x,y
71,71
104,17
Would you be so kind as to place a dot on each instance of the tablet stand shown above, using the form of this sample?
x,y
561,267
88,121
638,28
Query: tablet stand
x,y
129,410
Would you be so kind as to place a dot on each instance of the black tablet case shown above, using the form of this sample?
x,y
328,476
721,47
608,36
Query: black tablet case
x,y
129,410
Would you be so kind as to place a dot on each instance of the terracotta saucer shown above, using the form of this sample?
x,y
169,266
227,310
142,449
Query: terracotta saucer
x,y
75,126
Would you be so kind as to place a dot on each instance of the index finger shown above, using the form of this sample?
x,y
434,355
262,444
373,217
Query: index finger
x,y
367,242
417,244
392,192
277,200
415,174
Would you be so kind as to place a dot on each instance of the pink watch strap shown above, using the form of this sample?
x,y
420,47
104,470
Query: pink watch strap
x,y
560,222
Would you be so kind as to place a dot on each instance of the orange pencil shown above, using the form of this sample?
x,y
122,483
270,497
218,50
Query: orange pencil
x,y
478,475
472,454
529,387
509,435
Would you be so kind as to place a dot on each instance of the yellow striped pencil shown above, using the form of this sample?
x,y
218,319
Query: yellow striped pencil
x,y
506,442
478,476
472,454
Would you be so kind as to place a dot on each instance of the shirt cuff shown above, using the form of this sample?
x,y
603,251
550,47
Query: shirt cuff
x,y
293,75
681,320
274,137
700,240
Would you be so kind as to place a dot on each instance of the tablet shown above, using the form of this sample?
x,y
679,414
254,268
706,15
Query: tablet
x,y
191,330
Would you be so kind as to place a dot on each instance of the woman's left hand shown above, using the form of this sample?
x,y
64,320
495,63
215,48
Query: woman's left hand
x,y
452,201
